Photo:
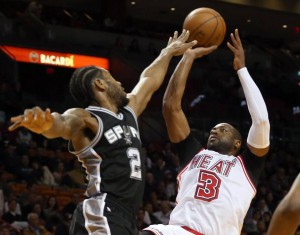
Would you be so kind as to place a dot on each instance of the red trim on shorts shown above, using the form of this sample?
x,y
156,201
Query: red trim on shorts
x,y
191,230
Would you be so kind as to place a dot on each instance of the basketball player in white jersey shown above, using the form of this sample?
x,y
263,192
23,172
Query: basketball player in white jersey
x,y
216,184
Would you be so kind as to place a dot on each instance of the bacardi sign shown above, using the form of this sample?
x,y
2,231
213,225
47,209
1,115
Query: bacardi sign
x,y
29,55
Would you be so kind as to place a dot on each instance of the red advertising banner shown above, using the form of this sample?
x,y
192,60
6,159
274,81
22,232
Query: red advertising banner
x,y
29,55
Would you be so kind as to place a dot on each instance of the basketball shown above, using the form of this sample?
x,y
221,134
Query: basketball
x,y
206,26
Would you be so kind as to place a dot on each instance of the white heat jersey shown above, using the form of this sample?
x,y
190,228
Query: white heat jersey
x,y
215,194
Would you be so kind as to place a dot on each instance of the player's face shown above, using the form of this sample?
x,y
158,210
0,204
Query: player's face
x,y
221,138
115,91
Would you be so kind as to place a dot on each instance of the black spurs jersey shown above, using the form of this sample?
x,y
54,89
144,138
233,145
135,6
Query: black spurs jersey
x,y
113,162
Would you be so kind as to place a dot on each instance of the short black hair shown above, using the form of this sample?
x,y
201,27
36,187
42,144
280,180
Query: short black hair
x,y
81,84
237,134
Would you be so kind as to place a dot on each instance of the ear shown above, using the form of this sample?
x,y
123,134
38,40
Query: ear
x,y
237,144
100,84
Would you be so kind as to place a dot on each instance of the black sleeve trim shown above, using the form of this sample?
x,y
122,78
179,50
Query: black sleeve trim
x,y
187,149
254,165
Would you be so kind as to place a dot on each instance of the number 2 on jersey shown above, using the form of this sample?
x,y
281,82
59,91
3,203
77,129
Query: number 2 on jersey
x,y
135,163
208,186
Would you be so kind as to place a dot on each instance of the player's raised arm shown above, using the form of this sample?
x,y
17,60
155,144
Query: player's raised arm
x,y
68,125
177,124
153,76
258,139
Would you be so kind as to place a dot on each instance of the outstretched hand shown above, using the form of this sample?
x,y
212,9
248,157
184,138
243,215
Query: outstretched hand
x,y
178,45
199,52
35,120
238,51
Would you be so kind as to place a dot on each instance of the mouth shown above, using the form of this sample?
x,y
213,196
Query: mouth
x,y
212,138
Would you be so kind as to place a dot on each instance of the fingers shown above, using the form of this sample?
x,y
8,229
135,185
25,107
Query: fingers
x,y
175,36
232,48
14,126
184,35
170,40
48,115
17,122
237,36
236,41
30,118
38,114
210,49
191,44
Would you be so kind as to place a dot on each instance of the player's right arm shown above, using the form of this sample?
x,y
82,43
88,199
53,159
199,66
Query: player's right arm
x,y
69,125
153,76
176,121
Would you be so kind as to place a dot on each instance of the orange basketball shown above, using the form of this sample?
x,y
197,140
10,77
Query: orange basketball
x,y
206,26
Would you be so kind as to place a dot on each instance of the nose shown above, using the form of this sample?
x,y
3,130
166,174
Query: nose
x,y
213,132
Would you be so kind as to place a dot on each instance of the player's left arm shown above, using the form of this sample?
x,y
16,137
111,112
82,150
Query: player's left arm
x,y
258,139
153,76
286,217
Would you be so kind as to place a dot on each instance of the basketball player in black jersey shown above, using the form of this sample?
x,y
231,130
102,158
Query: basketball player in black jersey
x,y
105,138
216,185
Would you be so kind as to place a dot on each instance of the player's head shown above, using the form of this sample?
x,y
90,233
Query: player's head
x,y
224,139
91,85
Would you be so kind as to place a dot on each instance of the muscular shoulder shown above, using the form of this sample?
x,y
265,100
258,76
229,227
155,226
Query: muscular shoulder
x,y
78,112
132,102
81,119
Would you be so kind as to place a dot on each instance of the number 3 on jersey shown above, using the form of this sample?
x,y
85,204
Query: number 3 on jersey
x,y
208,186
135,163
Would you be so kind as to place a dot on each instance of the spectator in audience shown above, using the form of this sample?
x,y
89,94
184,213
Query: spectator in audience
x,y
163,214
42,174
10,157
250,224
24,137
71,206
62,227
59,173
11,215
75,176
140,221
150,185
25,170
35,227
29,24
7,229
39,210
51,209
149,217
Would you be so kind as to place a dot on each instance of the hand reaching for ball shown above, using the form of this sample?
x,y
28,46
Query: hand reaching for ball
x,y
178,45
199,52
238,51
